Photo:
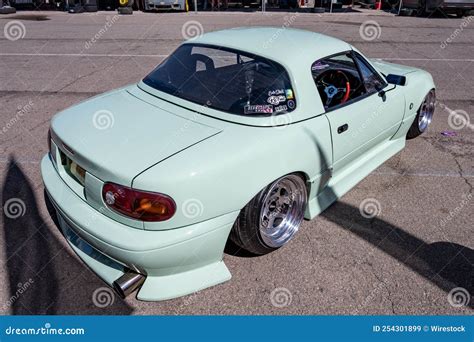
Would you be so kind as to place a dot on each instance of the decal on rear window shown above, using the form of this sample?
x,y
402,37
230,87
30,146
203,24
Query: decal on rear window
x,y
258,109
274,100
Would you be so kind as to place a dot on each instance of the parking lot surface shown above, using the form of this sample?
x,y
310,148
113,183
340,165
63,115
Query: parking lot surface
x,y
409,259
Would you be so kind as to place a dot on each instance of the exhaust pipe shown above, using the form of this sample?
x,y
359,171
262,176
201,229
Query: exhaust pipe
x,y
128,283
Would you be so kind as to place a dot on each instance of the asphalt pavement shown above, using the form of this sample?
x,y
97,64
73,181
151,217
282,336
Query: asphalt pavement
x,y
415,257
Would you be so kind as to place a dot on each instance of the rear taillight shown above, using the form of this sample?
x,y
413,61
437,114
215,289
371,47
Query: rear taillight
x,y
140,205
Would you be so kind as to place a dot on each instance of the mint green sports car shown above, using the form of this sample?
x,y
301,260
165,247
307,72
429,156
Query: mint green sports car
x,y
238,134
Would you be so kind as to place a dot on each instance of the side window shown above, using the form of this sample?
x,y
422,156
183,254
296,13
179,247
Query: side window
x,y
373,82
337,79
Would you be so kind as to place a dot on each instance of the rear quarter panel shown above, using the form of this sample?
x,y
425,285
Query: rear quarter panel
x,y
223,173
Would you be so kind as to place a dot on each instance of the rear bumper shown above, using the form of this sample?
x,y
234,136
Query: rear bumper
x,y
176,262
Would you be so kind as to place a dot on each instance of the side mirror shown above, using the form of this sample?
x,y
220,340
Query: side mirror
x,y
396,79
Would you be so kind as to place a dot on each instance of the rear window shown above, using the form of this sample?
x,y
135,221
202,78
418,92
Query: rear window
x,y
224,79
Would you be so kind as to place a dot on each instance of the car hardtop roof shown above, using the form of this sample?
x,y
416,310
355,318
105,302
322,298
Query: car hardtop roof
x,y
287,46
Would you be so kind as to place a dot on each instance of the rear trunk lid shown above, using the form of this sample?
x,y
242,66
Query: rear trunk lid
x,y
116,136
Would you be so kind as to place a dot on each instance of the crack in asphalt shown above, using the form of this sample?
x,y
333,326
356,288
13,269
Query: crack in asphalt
x,y
461,173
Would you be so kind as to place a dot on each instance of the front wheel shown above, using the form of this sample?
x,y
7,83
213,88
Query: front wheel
x,y
424,116
272,217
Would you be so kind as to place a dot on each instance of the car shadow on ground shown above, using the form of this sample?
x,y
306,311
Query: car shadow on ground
x,y
44,277
447,265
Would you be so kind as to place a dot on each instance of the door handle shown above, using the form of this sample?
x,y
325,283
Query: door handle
x,y
342,128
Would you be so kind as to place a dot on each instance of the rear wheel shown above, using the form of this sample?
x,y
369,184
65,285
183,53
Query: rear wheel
x,y
424,116
272,217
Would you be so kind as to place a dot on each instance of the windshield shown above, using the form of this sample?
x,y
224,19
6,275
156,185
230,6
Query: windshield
x,y
228,80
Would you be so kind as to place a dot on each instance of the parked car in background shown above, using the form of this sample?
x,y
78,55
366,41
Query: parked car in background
x,y
165,5
425,7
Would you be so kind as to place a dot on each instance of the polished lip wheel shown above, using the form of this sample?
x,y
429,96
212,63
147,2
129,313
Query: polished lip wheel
x,y
426,111
282,210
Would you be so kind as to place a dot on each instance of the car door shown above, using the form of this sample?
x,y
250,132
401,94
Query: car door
x,y
360,114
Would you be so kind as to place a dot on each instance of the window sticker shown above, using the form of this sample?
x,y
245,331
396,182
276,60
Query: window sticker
x,y
276,99
276,92
282,108
319,66
258,109
291,104
289,94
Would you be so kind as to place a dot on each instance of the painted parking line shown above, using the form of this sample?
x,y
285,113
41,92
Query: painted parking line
x,y
376,173
422,174
6,54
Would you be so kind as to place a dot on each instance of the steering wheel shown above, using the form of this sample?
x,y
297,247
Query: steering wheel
x,y
336,86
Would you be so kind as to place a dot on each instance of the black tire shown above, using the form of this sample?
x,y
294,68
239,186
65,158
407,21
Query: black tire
x,y
415,129
246,230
